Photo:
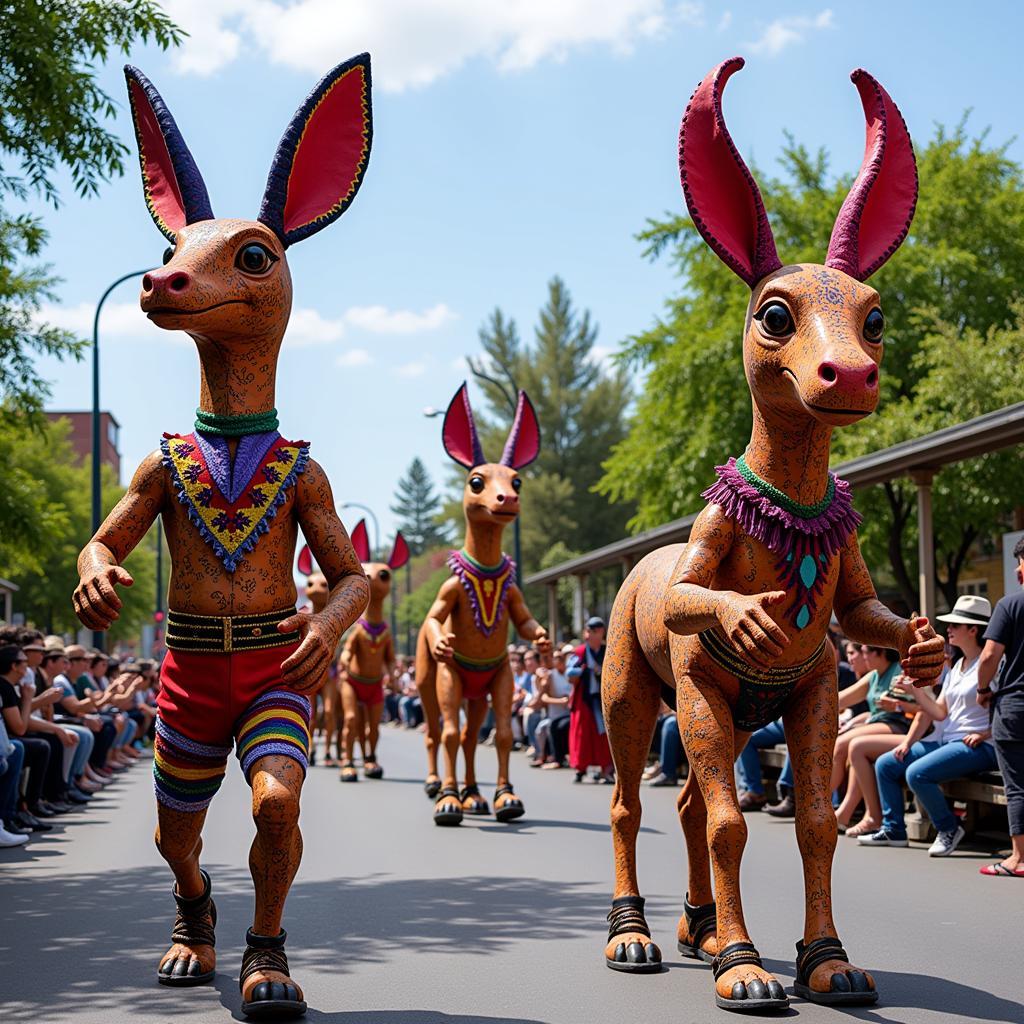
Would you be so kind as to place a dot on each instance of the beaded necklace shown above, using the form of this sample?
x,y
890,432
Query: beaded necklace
x,y
236,425
487,587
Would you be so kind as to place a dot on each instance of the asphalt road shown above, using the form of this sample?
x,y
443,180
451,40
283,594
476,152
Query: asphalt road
x,y
395,921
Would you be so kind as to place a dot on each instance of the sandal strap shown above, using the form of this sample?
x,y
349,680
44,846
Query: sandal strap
x,y
263,953
627,915
472,790
449,791
736,954
503,790
812,955
700,921
191,927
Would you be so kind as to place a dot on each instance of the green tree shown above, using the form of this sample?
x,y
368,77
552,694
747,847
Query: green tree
x,y
52,115
955,278
418,508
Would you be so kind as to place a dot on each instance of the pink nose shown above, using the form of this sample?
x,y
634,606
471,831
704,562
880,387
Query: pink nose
x,y
158,282
500,499
843,377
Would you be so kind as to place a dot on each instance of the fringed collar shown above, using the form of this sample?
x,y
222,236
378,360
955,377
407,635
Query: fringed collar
x,y
376,632
232,503
486,586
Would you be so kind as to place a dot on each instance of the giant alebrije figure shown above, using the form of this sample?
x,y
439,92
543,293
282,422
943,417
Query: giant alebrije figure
x,y
368,657
461,652
731,626
241,663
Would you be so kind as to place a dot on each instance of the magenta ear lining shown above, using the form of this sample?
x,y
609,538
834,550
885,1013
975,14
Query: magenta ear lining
x,y
459,434
523,444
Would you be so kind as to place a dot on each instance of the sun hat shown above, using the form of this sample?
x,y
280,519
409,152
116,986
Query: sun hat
x,y
969,610
595,622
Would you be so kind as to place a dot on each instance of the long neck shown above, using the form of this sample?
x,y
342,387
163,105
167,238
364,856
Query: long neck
x,y
374,610
791,454
236,380
483,542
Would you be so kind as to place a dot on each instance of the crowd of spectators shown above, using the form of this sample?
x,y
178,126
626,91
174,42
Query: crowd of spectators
x,y
71,720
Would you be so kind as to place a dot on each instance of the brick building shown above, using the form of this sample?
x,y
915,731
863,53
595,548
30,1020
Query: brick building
x,y
81,437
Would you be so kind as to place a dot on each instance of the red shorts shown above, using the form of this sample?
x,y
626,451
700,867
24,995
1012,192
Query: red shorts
x,y
476,677
368,691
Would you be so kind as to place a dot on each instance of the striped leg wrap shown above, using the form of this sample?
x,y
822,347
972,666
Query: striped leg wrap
x,y
275,723
186,774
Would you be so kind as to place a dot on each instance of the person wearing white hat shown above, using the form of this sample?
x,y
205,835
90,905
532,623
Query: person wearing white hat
x,y
961,744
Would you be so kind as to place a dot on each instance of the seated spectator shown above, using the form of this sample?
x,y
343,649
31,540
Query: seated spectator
x,y
752,796
670,751
552,733
410,709
75,758
11,759
961,745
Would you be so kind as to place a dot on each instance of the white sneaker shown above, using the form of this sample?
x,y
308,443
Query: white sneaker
x,y
946,842
10,839
881,838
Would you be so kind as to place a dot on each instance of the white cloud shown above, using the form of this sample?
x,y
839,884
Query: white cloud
x,y
308,327
413,42
414,369
381,320
601,355
118,320
354,358
725,21
785,31
459,363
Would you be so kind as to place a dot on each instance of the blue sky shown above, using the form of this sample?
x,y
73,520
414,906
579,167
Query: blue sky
x,y
513,140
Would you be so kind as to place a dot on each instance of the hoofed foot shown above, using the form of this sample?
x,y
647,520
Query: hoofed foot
x,y
372,770
448,809
432,786
742,985
630,948
265,982
191,960
507,806
472,802
697,933
825,975
348,773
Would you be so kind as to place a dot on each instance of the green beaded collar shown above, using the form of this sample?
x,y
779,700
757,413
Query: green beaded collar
x,y
238,425
782,499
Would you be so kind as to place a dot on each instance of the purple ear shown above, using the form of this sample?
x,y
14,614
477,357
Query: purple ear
x,y
174,188
459,432
721,194
876,215
523,444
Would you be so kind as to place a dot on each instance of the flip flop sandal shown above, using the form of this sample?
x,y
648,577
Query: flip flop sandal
x,y
627,915
478,805
348,772
449,809
848,989
374,772
190,929
747,997
512,808
432,787
854,831
700,922
276,999
1001,870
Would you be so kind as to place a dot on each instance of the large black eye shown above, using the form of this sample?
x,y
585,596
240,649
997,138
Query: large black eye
x,y
476,484
874,325
517,484
255,258
168,254
775,319
384,575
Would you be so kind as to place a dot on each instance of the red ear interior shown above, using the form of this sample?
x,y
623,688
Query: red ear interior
x,y
459,432
523,444
875,216
399,553
361,541
721,194
305,565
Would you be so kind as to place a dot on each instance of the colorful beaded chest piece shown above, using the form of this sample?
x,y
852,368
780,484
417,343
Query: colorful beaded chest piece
x,y
376,633
231,501
486,586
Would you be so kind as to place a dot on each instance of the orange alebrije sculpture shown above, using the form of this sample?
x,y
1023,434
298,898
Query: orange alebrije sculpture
x,y
731,627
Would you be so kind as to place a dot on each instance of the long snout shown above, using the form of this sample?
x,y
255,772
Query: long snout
x,y
842,383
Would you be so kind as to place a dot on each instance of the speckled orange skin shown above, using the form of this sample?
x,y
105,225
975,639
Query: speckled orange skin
x,y
450,627
237,321
724,578
371,661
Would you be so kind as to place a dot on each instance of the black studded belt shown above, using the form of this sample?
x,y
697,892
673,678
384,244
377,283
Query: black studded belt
x,y
225,634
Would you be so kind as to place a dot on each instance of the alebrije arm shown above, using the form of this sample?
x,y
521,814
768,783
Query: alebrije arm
x,y
522,618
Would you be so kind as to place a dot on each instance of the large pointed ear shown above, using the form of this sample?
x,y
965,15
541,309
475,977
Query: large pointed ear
x,y
322,156
523,444
721,194
174,188
876,215
361,541
459,431
399,553
305,563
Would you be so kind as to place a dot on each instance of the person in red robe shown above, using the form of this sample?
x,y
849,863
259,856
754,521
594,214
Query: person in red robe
x,y
588,741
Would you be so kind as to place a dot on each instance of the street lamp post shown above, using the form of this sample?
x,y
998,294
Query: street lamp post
x,y
97,501
376,526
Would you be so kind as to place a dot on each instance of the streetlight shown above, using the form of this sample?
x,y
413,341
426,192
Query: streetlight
x,y
376,526
97,512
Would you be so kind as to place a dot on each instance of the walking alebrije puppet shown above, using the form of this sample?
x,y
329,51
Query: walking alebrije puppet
x,y
461,650
241,663
367,659
326,702
731,627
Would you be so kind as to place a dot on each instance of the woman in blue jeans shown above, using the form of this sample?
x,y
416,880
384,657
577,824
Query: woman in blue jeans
x,y
748,767
961,744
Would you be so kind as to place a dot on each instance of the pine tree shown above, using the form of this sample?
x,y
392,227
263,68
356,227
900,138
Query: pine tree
x,y
417,507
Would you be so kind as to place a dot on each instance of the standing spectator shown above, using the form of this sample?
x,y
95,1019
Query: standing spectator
x,y
588,741
1005,637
